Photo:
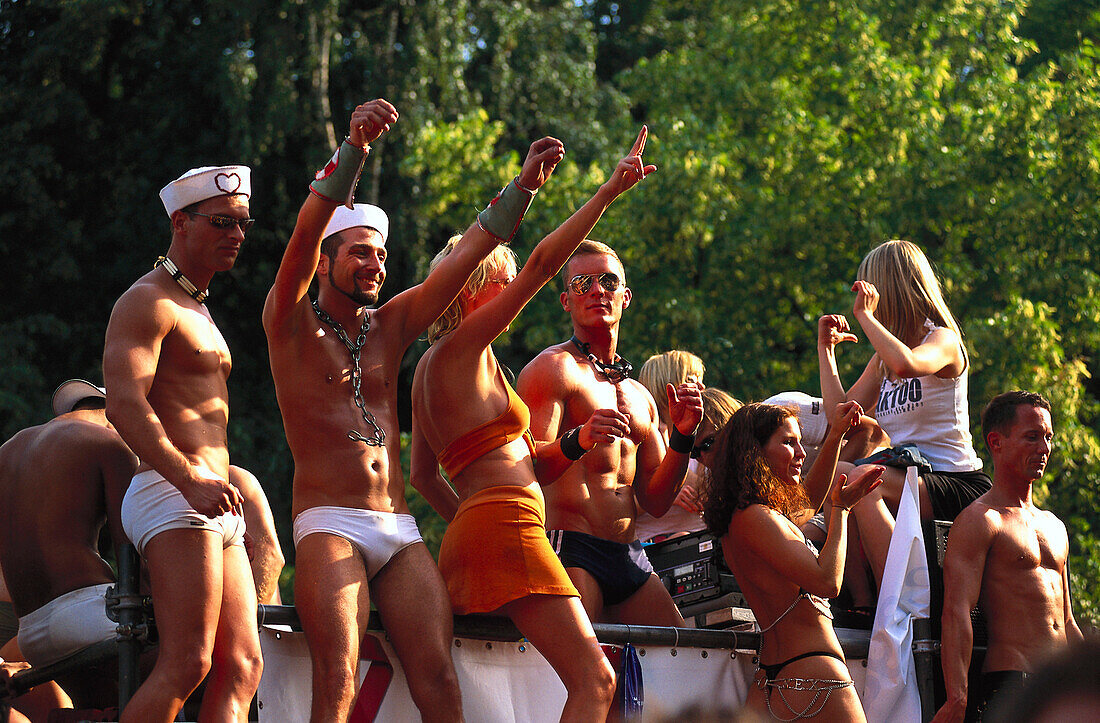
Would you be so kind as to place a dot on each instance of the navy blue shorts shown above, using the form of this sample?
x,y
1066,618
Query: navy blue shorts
x,y
619,569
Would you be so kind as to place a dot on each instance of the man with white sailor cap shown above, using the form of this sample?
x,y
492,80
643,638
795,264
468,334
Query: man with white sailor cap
x,y
166,368
59,483
335,364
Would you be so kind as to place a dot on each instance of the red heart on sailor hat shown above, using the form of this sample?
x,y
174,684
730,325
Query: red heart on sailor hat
x,y
226,178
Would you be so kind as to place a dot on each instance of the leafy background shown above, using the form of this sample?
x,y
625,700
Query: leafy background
x,y
791,138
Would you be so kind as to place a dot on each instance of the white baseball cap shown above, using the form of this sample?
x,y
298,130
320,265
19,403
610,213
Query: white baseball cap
x,y
72,392
811,414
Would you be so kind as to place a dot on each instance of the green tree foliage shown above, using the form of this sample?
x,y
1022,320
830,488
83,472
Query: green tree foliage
x,y
796,137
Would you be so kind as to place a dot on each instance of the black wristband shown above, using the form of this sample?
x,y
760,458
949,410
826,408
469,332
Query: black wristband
x,y
571,445
680,442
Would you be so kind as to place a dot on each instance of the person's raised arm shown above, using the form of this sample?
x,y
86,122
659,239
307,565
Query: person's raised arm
x,y
832,329
486,323
139,322
422,304
334,186
963,564
818,480
939,351
661,471
425,477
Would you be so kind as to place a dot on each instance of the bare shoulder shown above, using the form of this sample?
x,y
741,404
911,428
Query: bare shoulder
x,y
1051,522
976,526
551,369
747,524
144,304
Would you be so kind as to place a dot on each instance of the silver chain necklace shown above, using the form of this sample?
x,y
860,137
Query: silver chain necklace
x,y
378,436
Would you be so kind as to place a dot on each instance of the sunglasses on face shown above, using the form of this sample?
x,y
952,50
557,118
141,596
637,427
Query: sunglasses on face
x,y
703,446
581,283
219,221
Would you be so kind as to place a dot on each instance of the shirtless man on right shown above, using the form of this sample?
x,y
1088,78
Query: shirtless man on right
x,y
59,483
591,509
335,363
1008,557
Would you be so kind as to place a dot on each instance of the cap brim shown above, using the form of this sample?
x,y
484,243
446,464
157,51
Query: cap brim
x,y
70,393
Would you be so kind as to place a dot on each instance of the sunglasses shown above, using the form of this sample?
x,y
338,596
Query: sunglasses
x,y
219,221
581,283
703,446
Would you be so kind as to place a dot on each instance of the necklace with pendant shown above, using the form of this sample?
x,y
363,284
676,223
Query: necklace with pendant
x,y
378,435
614,372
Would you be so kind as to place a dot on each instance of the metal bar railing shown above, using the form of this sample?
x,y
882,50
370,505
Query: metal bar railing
x,y
854,642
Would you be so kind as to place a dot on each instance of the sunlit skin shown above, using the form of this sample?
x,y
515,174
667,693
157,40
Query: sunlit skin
x,y
784,451
458,387
360,265
767,553
1009,557
629,467
166,368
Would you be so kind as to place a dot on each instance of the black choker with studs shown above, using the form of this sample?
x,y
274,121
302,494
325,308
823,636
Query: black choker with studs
x,y
615,372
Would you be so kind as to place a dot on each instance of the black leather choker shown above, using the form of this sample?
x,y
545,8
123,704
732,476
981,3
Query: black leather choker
x,y
615,372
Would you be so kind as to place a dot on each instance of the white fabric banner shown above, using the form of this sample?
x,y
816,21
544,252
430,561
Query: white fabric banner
x,y
891,688
508,682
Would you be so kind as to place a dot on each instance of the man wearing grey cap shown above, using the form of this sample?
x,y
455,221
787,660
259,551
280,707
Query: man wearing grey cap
x,y
335,364
59,482
166,367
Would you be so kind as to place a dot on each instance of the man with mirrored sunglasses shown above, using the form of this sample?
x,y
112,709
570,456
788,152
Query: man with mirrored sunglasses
x,y
166,368
623,464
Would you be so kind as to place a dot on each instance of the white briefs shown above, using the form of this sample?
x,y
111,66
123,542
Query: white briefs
x,y
153,505
66,625
378,536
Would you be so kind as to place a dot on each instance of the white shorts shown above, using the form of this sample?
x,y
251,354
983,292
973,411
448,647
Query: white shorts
x,y
66,625
153,504
378,536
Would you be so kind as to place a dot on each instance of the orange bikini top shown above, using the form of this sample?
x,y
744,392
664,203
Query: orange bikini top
x,y
512,424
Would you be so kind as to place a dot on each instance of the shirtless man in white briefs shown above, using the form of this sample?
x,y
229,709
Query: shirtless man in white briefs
x,y
166,368
335,364
60,482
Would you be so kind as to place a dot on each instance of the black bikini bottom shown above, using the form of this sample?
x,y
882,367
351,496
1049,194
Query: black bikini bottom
x,y
771,671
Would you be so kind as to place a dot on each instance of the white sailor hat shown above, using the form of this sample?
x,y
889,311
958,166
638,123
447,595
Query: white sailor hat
x,y
811,415
72,392
199,184
363,214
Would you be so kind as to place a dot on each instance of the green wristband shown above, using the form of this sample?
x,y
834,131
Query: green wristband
x,y
502,216
337,180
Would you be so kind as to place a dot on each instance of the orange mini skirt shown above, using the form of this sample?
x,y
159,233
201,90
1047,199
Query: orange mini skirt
x,y
495,551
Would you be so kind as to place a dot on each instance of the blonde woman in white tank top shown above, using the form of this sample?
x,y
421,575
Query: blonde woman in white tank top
x,y
915,384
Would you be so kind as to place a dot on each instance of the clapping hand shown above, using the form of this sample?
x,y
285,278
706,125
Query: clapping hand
x,y
846,494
